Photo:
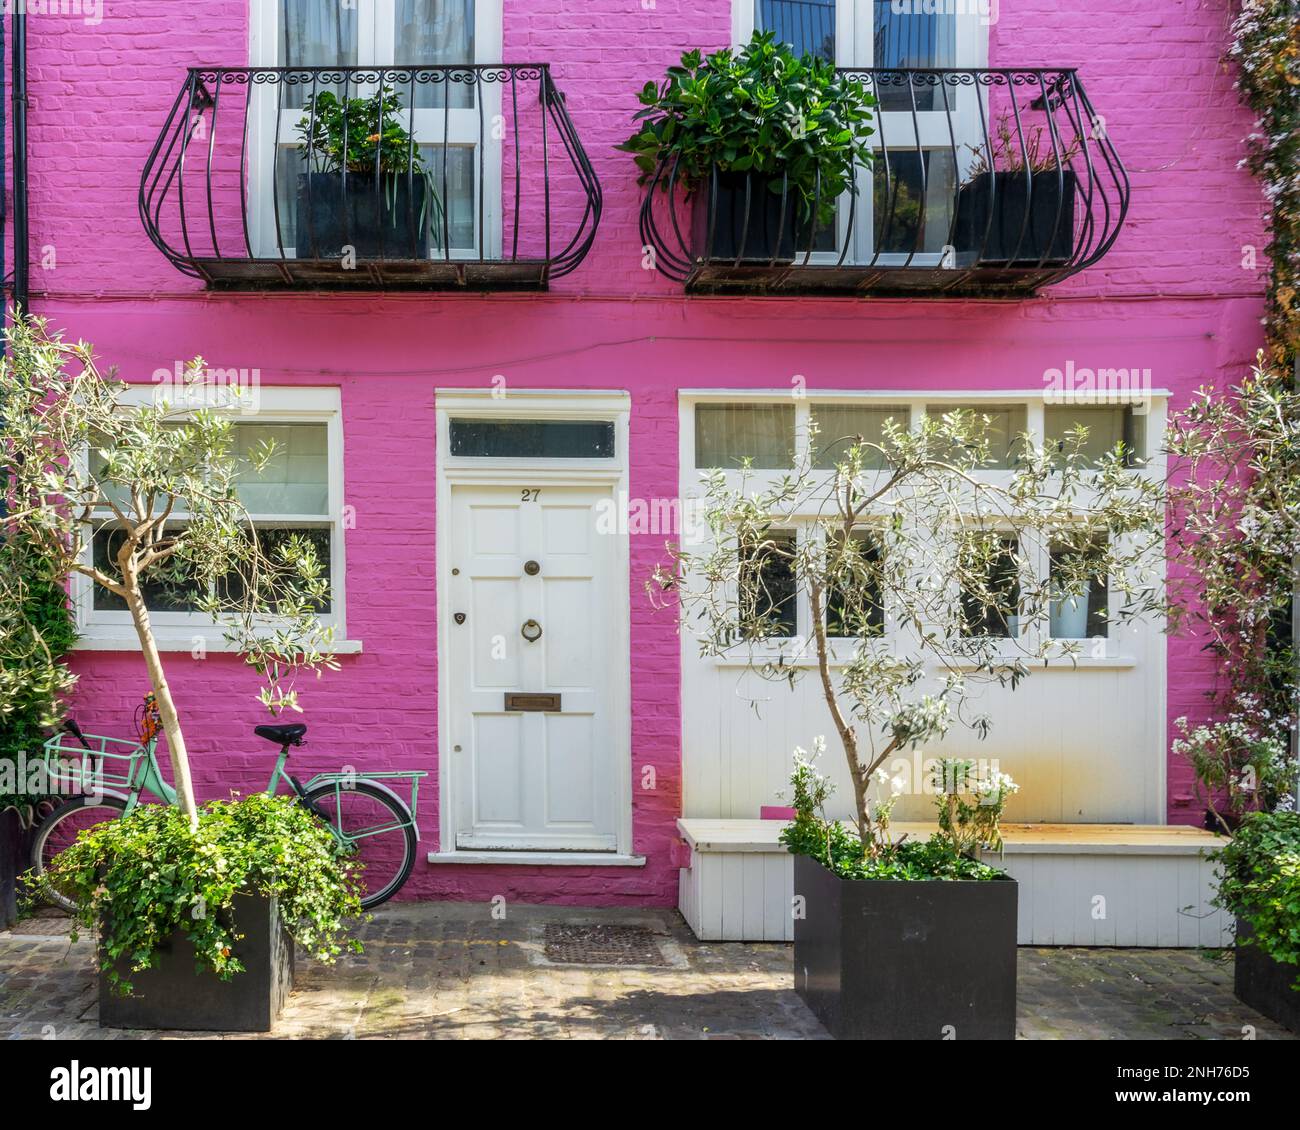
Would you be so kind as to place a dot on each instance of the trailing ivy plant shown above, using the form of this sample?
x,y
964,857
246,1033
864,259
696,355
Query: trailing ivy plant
x,y
1234,513
794,122
1260,884
139,879
36,632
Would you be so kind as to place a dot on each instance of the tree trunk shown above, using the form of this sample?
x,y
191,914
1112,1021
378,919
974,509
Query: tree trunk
x,y
179,758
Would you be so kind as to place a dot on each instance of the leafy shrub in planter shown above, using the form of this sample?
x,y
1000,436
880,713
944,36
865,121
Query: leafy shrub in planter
x,y
969,809
140,879
795,124
1260,884
390,200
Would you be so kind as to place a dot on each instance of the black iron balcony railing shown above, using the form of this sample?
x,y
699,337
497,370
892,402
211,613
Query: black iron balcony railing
x,y
981,182
454,177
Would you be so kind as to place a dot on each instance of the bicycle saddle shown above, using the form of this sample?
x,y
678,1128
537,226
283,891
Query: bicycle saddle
x,y
288,733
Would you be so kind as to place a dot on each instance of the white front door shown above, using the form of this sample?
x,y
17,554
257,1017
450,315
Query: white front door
x,y
532,604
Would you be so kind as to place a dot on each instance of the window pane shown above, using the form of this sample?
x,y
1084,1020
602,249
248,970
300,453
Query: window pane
x,y
1083,614
271,538
295,480
456,194
808,26
436,33
912,199
533,439
854,606
769,605
316,33
1002,425
839,425
992,608
1107,424
166,590
913,38
726,434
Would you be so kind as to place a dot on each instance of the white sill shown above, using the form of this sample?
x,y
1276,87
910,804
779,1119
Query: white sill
x,y
539,858
1058,663
127,641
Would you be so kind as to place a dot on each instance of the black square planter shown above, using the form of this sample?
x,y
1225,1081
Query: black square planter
x,y
15,844
1016,221
726,229
385,220
895,960
1265,983
174,994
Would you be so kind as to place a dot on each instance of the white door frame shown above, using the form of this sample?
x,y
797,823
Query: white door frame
x,y
536,404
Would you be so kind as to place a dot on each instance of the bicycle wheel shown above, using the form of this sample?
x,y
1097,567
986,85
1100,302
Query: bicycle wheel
x,y
376,828
60,828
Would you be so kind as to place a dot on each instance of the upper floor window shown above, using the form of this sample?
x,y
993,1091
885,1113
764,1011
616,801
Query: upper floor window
x,y
442,117
928,133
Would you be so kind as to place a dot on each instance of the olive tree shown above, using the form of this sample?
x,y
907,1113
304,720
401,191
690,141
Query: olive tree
x,y
163,476
914,534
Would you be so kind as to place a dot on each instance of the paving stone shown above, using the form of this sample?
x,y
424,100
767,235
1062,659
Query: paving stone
x,y
453,971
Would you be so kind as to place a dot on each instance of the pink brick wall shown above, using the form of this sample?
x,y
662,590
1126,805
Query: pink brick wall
x,y
1171,296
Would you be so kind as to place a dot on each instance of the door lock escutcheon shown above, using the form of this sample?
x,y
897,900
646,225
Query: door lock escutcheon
x,y
459,617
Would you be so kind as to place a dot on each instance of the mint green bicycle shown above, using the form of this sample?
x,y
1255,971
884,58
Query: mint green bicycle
x,y
368,820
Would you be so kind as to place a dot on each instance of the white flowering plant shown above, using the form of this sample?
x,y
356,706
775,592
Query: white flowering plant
x,y
1242,762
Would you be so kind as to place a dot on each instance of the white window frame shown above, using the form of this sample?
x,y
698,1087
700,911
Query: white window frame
x,y
102,630
375,47
800,650
855,47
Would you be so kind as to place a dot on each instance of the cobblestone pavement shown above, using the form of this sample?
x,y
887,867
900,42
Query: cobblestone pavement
x,y
449,970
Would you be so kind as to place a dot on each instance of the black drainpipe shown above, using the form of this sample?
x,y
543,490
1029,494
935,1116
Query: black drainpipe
x,y
22,278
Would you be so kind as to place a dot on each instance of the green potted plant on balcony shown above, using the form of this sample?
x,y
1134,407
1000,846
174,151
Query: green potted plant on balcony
x,y
1016,203
1260,885
767,141
366,186
902,579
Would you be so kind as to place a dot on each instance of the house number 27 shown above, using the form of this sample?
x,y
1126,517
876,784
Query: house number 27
x,y
530,494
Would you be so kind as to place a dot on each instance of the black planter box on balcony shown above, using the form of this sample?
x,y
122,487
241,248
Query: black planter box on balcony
x,y
896,960
1265,983
174,994
1040,206
385,219
726,231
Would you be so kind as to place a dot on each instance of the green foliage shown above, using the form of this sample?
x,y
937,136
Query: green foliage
x,y
763,110
1260,883
1234,510
36,631
839,849
364,134
139,879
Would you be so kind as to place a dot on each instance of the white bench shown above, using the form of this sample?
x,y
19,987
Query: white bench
x,y
1080,884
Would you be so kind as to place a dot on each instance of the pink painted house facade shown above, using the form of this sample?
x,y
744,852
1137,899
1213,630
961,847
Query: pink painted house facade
x,y
452,443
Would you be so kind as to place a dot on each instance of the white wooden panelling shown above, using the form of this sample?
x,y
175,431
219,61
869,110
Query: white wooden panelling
x,y
1085,743
1157,884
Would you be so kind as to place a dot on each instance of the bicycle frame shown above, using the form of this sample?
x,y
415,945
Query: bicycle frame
x,y
145,776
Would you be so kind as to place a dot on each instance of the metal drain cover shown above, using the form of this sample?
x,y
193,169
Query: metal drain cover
x,y
602,945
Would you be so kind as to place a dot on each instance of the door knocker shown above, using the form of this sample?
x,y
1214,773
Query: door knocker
x,y
531,631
